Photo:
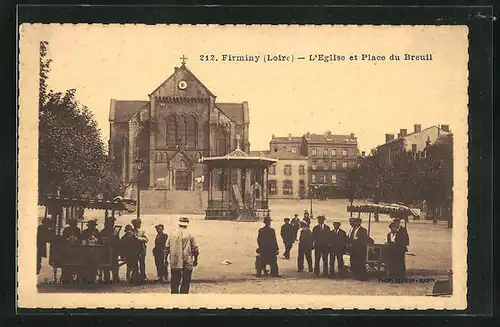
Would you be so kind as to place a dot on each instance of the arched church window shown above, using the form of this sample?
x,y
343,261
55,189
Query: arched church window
x,y
158,157
192,133
164,157
171,131
181,130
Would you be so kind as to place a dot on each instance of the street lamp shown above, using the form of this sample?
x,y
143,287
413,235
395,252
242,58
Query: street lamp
x,y
139,163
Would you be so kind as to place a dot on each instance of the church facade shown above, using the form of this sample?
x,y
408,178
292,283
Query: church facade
x,y
167,134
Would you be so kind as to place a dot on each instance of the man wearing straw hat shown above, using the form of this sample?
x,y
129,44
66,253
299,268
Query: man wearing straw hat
x,y
337,248
357,241
321,244
400,241
184,252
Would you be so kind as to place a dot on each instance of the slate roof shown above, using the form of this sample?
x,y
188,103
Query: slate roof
x,y
233,110
125,109
321,138
282,155
286,139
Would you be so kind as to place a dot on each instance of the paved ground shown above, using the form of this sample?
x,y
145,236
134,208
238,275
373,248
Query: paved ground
x,y
430,246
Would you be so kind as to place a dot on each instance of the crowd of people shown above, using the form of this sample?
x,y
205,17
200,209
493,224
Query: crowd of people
x,y
131,249
329,245
180,250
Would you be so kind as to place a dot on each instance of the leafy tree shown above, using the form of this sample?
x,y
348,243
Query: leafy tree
x,y
72,158
350,184
438,177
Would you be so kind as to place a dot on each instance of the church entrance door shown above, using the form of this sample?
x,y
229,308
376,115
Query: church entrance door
x,y
182,180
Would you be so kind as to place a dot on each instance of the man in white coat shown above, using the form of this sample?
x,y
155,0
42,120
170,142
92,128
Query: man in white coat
x,y
183,251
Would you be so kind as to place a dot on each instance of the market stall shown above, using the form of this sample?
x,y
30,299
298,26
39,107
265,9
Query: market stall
x,y
83,259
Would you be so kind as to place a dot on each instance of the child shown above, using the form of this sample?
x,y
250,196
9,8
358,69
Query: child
x,y
130,248
260,269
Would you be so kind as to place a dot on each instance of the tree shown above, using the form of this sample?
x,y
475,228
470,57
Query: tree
x,y
72,157
350,184
438,176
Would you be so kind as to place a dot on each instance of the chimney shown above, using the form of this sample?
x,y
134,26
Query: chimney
x,y
273,137
417,128
175,69
445,128
402,132
389,138
363,153
308,136
352,136
289,137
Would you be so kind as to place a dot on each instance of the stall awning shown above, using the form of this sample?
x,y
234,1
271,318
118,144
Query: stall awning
x,y
117,204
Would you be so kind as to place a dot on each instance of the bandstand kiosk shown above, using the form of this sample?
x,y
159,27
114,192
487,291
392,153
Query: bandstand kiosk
x,y
238,186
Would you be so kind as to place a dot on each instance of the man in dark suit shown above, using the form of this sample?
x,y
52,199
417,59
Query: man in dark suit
x,y
398,241
338,242
108,236
357,241
288,236
268,246
296,225
159,254
321,245
305,247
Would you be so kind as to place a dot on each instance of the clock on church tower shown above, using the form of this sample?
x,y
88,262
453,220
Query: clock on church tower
x,y
182,85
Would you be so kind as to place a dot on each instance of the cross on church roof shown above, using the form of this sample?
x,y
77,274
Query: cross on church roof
x,y
238,141
183,58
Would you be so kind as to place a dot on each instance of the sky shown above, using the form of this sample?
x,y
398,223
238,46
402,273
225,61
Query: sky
x,y
367,98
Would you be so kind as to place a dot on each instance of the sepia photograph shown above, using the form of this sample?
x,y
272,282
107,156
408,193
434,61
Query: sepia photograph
x,y
179,166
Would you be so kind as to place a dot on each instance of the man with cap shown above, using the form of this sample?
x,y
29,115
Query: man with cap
x,y
140,234
305,247
338,242
357,241
108,236
321,245
399,240
296,225
288,236
91,233
159,253
183,250
268,246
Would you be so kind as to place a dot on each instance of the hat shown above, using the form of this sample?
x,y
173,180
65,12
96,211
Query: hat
x,y
392,225
136,221
184,221
396,220
321,217
295,215
287,219
355,220
336,222
129,228
160,225
305,210
92,222
267,218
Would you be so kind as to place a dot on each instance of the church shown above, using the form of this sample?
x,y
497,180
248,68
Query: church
x,y
167,134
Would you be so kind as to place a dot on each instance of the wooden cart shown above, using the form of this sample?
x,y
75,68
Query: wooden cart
x,y
376,260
